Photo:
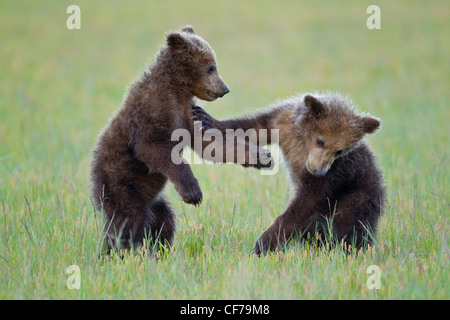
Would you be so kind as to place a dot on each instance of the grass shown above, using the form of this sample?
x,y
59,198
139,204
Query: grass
x,y
58,88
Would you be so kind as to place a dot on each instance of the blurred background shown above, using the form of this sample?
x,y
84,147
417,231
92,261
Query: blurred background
x,y
59,86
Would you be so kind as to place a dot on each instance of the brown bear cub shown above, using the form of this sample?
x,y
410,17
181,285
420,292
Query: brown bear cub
x,y
338,186
132,161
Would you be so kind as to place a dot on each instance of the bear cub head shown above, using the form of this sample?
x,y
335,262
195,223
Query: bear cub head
x,y
194,61
331,128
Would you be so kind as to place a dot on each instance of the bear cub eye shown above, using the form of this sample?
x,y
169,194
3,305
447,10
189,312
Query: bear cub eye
x,y
339,152
320,143
211,69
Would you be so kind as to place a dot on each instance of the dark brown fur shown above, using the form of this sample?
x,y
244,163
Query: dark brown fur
x,y
132,160
337,183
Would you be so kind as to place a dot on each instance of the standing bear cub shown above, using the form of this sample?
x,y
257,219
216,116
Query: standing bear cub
x,y
338,185
133,158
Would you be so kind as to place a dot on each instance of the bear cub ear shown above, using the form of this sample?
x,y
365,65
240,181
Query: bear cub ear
x,y
176,40
315,106
370,124
188,29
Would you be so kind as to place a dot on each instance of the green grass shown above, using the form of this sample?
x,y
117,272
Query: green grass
x,y
59,87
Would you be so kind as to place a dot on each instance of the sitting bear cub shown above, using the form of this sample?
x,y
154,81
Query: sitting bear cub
x,y
338,185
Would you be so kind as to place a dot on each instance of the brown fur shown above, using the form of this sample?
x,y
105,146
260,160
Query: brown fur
x,y
336,179
132,160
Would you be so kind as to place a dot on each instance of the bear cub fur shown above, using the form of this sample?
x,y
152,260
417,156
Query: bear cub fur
x,y
132,160
337,183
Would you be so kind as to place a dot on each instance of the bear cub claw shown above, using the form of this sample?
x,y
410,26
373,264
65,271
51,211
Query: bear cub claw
x,y
198,114
264,158
190,194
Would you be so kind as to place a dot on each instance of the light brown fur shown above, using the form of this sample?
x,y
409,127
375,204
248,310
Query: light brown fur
x,y
337,181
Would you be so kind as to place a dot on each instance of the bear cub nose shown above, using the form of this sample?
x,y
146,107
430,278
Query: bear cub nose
x,y
225,90
320,172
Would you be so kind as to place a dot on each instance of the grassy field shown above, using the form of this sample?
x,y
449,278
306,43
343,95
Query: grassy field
x,y
58,88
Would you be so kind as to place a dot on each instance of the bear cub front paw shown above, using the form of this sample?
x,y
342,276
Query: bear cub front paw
x,y
190,192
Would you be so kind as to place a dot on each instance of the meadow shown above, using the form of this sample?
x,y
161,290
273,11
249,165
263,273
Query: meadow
x,y
59,87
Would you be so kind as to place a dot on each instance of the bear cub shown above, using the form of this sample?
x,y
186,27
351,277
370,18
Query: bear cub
x,y
337,183
132,160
